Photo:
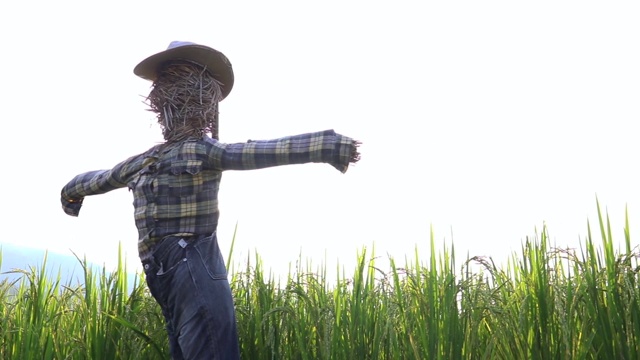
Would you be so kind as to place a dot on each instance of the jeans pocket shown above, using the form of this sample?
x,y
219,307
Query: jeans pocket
x,y
150,271
209,255
169,258
169,268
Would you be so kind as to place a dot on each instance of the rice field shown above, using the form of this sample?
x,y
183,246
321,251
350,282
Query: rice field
x,y
543,303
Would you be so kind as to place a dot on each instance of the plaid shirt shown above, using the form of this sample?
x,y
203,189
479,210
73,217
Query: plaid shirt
x,y
175,185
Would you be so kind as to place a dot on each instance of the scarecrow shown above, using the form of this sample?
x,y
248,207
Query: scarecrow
x,y
175,191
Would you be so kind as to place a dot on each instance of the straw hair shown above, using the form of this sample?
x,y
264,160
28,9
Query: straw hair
x,y
185,98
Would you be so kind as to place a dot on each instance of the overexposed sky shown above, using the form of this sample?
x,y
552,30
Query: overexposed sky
x,y
482,119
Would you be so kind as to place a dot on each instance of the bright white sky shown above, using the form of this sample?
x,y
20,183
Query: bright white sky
x,y
483,119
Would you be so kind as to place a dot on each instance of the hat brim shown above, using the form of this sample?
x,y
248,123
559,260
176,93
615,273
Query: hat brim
x,y
213,60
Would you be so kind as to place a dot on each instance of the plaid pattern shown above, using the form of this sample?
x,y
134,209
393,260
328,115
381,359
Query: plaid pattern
x,y
175,186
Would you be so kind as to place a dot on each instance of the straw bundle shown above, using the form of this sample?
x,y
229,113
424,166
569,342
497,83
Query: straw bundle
x,y
185,98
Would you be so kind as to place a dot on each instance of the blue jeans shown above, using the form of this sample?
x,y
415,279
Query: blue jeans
x,y
188,278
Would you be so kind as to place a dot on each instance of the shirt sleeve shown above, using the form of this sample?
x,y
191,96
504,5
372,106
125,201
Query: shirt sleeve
x,y
97,182
318,147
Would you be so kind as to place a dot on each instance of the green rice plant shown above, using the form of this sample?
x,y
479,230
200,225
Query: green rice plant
x,y
555,304
612,296
429,320
543,303
33,310
255,296
109,318
99,319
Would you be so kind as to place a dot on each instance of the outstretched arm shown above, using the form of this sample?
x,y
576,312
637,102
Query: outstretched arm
x,y
318,147
97,182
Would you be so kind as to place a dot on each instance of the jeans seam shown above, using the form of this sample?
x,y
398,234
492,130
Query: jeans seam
x,y
201,305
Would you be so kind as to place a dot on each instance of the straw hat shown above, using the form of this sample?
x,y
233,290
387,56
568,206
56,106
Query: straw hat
x,y
213,60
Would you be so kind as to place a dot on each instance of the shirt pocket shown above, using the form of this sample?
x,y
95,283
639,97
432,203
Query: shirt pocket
x,y
186,178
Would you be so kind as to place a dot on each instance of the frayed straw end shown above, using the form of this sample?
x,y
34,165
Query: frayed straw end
x,y
355,154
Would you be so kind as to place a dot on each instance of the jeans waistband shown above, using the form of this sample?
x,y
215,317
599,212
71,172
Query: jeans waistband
x,y
170,242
